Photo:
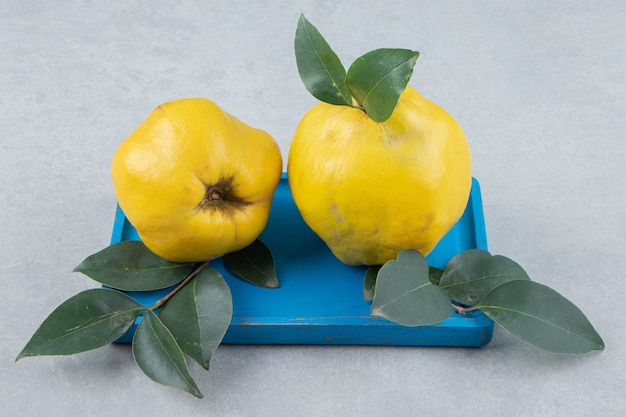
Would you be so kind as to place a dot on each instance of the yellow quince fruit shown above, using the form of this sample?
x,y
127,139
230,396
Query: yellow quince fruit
x,y
371,190
195,182
376,168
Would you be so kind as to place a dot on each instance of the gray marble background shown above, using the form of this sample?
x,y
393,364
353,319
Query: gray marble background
x,y
539,88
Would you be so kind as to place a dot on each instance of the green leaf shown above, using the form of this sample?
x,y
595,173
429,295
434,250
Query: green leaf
x,y
377,79
199,315
254,263
369,283
131,266
434,275
472,274
87,321
159,356
542,317
319,67
405,295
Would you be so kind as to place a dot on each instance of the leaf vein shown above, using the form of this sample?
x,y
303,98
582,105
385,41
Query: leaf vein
x,y
81,327
383,78
323,63
521,313
404,294
180,370
473,280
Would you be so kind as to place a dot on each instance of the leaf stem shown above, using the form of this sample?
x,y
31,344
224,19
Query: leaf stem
x,y
184,282
458,309
463,310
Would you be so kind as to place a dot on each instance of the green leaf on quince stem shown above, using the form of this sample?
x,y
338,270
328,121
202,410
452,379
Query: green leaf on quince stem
x,y
131,266
540,316
86,321
254,263
377,79
472,274
319,67
159,357
405,295
199,315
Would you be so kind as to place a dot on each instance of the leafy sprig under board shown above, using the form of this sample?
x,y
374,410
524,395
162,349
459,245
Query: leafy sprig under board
x,y
407,292
190,320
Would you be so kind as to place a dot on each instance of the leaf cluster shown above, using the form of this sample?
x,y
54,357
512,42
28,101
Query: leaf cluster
x,y
189,321
406,290
409,292
372,83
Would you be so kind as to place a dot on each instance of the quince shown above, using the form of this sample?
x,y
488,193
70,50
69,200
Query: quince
x,y
370,189
375,168
195,182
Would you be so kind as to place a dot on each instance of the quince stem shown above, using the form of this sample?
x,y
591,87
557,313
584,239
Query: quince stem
x,y
184,282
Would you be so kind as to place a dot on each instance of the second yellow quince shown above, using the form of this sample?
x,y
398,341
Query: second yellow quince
x,y
372,189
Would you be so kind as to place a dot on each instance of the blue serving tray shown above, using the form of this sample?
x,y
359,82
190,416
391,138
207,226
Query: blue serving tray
x,y
320,300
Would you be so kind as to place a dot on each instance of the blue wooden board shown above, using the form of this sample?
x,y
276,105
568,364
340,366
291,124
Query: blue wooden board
x,y
320,300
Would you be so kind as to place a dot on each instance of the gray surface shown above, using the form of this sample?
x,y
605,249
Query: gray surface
x,y
539,88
